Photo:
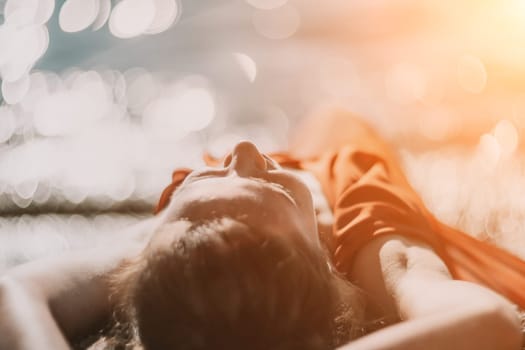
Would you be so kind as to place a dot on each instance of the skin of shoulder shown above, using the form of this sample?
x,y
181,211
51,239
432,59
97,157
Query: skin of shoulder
x,y
64,297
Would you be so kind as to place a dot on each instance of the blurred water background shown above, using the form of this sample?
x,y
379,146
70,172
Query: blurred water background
x,y
101,99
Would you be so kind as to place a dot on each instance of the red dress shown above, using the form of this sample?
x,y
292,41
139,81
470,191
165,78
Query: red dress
x,y
370,196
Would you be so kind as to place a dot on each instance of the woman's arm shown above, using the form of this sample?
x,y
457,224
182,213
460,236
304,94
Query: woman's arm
x,y
46,303
464,327
437,311
26,321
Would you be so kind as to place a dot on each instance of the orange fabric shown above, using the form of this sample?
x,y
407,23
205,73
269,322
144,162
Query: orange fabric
x,y
368,203
177,178
370,196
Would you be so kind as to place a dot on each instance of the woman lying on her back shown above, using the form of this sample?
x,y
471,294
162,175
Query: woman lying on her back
x,y
236,259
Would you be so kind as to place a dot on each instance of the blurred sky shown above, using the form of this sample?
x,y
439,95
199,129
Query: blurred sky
x,y
174,48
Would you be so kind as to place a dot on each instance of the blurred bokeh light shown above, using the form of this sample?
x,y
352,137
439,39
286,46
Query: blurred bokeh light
x,y
101,99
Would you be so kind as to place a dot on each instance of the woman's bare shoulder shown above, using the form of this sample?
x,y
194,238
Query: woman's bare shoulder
x,y
75,285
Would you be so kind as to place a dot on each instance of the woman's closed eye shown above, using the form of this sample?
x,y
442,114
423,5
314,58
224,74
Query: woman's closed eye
x,y
271,164
205,173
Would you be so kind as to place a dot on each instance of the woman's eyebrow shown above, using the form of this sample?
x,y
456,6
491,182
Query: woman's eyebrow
x,y
271,160
206,171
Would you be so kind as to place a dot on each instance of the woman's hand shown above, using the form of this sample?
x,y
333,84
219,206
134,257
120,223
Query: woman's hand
x,y
437,311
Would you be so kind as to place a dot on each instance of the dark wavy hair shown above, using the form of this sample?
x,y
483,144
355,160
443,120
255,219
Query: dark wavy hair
x,y
224,285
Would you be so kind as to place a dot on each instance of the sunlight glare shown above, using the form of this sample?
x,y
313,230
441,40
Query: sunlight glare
x,y
279,23
471,74
103,15
338,76
34,11
77,15
14,92
178,114
131,18
506,134
166,14
142,87
405,83
266,4
247,64
489,151
7,123
438,123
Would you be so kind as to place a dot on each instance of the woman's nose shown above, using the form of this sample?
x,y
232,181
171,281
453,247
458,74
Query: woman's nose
x,y
246,159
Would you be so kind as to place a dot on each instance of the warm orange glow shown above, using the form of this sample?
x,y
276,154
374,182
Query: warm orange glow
x,y
507,136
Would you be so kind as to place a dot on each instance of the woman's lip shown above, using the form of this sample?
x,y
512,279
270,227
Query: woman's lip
x,y
275,187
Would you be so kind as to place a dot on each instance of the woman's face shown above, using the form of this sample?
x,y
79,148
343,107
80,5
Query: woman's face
x,y
250,188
